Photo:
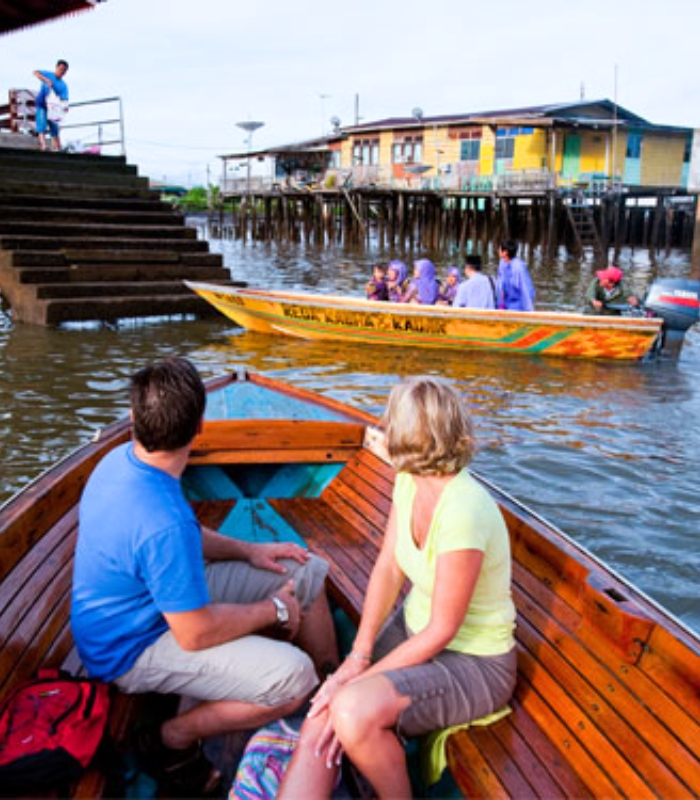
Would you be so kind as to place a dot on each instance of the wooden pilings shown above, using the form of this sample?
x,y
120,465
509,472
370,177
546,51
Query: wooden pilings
x,y
441,221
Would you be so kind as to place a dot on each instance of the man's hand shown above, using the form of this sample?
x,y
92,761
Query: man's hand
x,y
267,556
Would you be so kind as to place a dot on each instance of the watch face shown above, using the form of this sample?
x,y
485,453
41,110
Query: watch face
x,y
282,611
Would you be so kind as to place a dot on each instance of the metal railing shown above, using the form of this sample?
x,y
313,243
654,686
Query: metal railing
x,y
102,129
105,131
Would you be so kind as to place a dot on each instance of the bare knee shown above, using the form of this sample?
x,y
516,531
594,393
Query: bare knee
x,y
353,718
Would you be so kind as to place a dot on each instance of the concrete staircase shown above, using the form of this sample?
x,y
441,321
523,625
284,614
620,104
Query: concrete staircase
x,y
82,237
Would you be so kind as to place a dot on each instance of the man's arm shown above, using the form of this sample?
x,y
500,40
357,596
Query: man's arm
x,y
217,547
43,78
217,623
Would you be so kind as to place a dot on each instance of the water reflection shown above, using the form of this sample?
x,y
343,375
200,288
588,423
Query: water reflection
x,y
606,451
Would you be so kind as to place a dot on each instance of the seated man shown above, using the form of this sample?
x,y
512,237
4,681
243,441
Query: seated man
x,y
479,290
607,293
150,615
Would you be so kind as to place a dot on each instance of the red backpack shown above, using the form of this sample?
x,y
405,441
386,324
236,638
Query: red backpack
x,y
50,729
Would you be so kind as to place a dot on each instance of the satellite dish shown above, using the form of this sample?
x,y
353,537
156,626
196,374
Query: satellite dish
x,y
417,113
335,122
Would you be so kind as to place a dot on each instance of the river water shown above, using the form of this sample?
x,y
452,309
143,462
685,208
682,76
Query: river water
x,y
608,452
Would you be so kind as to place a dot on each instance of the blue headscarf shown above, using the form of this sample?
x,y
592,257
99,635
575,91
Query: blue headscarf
x,y
425,283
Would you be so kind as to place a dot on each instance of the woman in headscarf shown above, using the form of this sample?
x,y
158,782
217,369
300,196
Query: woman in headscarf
x,y
424,286
396,281
448,290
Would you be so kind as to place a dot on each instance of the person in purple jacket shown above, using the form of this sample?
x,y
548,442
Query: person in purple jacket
x,y
515,289
424,287
448,290
396,281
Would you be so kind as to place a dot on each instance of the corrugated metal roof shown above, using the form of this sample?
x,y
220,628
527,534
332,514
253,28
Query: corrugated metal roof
x,y
16,15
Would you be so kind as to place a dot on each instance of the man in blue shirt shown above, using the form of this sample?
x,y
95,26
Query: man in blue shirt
x,y
150,615
479,290
515,289
50,82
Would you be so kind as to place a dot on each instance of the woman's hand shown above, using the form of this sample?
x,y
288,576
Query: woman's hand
x,y
348,671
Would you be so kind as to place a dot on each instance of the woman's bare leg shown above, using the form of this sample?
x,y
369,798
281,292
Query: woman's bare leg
x,y
309,776
363,715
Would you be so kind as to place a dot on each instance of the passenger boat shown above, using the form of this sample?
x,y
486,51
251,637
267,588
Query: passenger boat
x,y
672,304
608,696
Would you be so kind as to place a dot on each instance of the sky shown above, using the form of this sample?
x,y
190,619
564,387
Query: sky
x,y
188,72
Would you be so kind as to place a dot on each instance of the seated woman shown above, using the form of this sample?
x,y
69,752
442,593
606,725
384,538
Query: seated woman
x,y
376,288
448,290
424,287
396,281
447,657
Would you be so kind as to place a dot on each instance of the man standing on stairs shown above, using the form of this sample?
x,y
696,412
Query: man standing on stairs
x,y
50,82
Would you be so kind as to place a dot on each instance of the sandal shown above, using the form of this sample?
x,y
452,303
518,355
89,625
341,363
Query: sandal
x,y
181,773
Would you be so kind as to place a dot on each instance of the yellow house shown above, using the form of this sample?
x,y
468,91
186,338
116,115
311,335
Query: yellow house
x,y
539,147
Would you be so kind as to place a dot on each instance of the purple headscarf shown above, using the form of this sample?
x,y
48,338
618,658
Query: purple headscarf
x,y
400,269
425,283
449,291
396,292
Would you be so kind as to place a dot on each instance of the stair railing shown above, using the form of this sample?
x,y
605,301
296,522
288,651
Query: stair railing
x,y
103,128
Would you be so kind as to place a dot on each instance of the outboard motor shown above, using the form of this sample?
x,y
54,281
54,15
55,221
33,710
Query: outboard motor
x,y
677,301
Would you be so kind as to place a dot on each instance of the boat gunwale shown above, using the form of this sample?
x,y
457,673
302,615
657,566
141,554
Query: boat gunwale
x,y
566,319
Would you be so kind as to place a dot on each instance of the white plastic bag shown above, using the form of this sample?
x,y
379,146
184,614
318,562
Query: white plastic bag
x,y
56,109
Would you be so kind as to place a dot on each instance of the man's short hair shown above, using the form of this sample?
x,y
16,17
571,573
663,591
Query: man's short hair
x,y
510,247
62,62
473,261
428,427
168,400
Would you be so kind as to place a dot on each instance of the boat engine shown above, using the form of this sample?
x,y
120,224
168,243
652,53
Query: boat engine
x,y
677,301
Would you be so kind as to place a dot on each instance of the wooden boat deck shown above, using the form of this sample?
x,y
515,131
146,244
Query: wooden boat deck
x,y
599,710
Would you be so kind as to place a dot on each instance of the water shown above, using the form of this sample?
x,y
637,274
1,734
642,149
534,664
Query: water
x,y
608,452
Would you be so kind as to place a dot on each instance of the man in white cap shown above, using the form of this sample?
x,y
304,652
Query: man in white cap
x,y
607,293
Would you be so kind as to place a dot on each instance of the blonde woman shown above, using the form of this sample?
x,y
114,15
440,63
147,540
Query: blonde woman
x,y
448,657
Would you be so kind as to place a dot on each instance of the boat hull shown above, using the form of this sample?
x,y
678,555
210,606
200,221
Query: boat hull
x,y
352,320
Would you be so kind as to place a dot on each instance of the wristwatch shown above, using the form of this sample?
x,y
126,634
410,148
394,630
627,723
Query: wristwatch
x,y
282,612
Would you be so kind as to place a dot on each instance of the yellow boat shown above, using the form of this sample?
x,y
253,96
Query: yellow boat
x,y
353,319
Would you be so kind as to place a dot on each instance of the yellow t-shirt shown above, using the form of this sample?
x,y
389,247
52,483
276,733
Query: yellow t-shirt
x,y
465,518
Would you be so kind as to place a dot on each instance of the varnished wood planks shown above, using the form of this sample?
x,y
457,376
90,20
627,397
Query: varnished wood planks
x,y
275,441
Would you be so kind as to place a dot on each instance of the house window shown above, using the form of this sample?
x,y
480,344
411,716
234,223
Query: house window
x,y
634,145
505,146
365,152
470,145
407,150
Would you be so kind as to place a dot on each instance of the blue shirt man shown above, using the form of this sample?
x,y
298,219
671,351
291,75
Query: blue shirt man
x,y
515,289
50,82
478,291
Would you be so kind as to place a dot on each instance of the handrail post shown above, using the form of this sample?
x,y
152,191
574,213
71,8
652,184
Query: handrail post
x,y
121,126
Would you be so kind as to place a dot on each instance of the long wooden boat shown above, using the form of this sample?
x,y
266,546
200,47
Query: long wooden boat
x,y
355,320
608,696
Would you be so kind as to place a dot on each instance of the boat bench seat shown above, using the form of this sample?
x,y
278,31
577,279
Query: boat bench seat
x,y
36,564
585,657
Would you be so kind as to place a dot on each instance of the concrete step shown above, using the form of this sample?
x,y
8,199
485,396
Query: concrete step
x,y
113,256
54,202
26,158
10,173
112,309
62,230
73,216
179,245
104,273
46,291
78,190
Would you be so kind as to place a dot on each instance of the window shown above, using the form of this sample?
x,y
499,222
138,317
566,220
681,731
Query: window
x,y
407,149
634,145
470,145
505,147
365,152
